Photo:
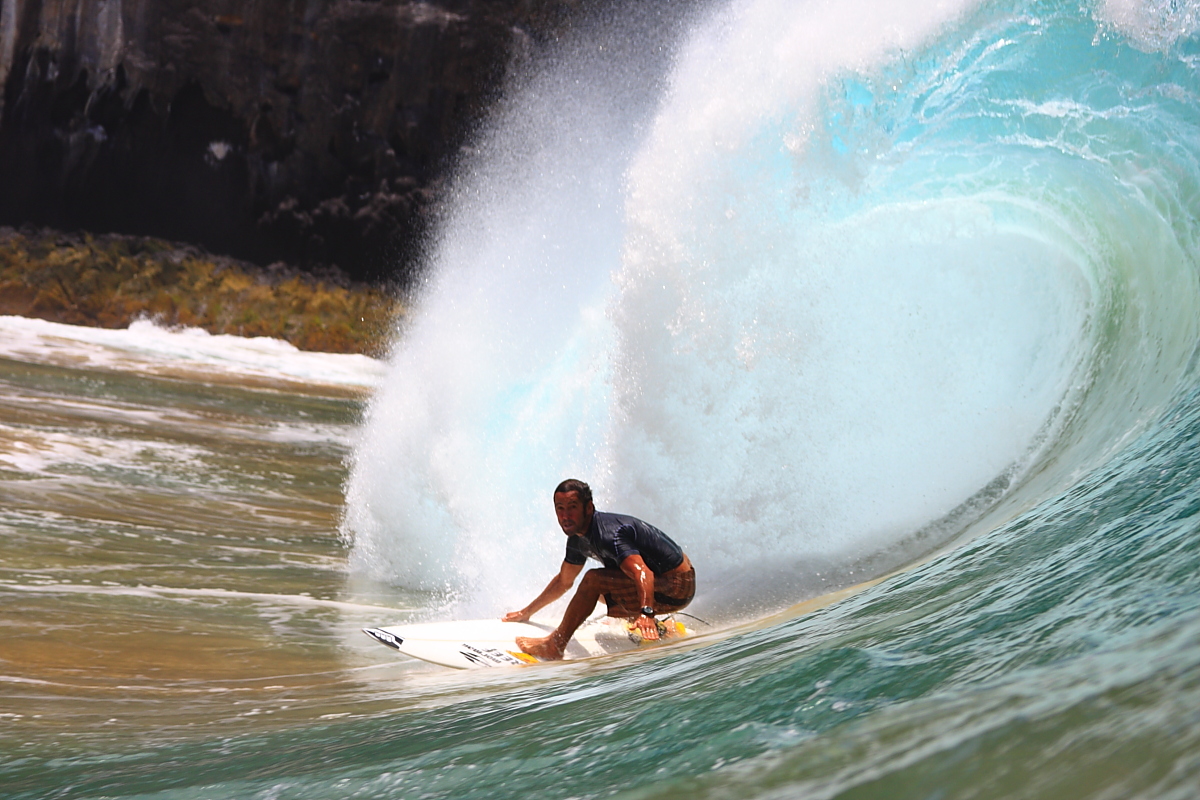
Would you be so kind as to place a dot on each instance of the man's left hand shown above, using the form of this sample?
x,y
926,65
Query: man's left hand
x,y
647,626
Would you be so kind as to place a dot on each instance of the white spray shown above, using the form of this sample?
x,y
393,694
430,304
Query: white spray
x,y
673,312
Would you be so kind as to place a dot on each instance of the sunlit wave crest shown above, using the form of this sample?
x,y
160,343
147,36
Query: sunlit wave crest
x,y
833,294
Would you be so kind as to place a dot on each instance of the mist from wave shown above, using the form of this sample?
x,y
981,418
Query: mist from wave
x,y
833,290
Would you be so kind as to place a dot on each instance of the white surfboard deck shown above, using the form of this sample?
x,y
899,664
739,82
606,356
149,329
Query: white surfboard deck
x,y
471,644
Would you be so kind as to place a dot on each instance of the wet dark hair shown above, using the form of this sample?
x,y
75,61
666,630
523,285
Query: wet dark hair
x,y
574,485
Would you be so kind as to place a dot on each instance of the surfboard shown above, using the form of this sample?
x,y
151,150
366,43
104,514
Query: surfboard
x,y
471,644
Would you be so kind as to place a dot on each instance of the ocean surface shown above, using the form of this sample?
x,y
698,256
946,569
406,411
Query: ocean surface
x,y
887,312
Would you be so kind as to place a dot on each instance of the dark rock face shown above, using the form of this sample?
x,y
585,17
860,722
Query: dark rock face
x,y
308,131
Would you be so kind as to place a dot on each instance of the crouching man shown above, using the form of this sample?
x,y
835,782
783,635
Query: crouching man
x,y
644,573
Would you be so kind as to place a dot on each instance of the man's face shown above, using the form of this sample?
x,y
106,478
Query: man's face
x,y
574,515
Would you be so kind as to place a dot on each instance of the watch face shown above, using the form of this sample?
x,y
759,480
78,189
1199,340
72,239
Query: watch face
x,y
647,611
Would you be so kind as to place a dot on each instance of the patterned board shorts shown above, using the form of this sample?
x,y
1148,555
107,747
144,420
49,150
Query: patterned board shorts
x,y
672,592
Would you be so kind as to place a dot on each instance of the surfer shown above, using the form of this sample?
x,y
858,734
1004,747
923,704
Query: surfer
x,y
644,572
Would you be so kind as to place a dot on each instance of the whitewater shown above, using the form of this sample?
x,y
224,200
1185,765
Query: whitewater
x,y
888,313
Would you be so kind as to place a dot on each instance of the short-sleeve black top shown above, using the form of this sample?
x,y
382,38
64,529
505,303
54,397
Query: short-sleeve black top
x,y
611,538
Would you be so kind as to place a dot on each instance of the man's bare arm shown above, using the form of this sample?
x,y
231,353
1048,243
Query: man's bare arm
x,y
557,587
636,568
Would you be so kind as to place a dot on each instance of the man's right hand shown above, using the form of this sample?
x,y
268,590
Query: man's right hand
x,y
557,587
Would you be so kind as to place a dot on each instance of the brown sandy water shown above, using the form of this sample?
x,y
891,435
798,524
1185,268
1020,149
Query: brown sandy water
x,y
170,562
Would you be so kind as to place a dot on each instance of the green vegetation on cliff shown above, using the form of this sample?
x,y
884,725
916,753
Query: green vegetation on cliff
x,y
110,281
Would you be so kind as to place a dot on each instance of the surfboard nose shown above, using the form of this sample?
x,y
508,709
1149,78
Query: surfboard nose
x,y
390,639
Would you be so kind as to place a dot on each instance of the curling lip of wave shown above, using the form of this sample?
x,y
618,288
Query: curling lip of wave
x,y
828,327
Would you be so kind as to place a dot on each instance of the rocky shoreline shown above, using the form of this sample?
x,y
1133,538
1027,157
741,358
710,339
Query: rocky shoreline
x,y
111,280
310,133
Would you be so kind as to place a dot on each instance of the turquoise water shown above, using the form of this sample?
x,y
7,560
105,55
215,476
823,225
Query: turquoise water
x,y
832,293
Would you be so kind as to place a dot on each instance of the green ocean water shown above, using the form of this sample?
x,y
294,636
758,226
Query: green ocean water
x,y
212,656
862,291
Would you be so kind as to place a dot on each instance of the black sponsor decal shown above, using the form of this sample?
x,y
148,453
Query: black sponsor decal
x,y
486,656
385,637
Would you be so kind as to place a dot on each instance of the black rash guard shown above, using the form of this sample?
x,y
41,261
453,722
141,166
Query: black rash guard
x,y
611,538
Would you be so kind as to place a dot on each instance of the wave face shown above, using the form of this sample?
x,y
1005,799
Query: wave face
x,y
827,289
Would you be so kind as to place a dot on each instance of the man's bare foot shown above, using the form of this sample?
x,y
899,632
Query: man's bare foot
x,y
547,648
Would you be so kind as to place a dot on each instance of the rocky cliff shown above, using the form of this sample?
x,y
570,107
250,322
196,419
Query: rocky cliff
x,y
306,131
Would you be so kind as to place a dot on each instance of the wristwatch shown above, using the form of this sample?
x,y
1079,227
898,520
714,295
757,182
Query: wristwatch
x,y
647,611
